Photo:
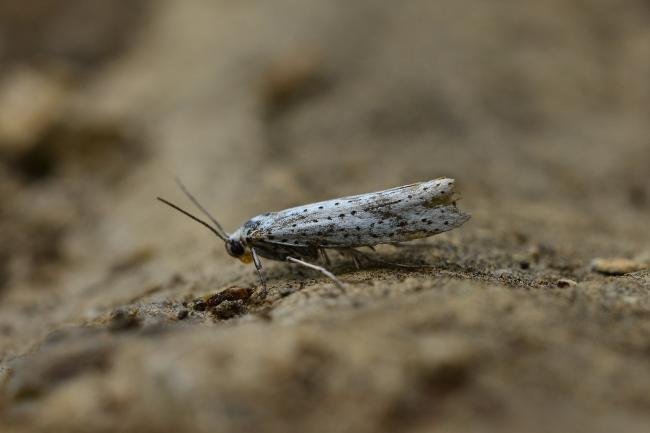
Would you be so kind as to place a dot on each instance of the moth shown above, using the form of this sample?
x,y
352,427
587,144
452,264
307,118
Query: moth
x,y
302,234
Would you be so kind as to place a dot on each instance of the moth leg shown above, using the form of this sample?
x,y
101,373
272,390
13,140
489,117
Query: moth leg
x,y
320,269
351,253
258,267
325,256
356,262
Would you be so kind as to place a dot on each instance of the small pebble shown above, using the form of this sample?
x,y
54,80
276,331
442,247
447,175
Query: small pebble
x,y
563,283
182,314
229,294
228,309
616,266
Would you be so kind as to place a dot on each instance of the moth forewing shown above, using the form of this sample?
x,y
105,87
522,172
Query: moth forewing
x,y
395,215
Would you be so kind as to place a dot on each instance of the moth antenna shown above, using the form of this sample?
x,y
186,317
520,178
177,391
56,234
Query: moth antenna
x,y
224,234
198,220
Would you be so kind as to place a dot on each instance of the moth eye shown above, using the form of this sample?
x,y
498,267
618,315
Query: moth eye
x,y
235,248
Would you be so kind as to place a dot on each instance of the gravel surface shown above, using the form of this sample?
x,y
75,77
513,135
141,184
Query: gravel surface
x,y
117,314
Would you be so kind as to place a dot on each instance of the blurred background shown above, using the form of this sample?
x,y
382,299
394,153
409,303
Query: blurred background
x,y
540,111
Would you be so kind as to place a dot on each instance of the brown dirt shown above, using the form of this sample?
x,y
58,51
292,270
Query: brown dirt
x,y
111,311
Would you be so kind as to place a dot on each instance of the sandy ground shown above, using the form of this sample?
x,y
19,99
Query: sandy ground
x,y
110,312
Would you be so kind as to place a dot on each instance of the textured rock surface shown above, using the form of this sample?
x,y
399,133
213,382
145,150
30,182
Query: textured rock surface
x,y
110,312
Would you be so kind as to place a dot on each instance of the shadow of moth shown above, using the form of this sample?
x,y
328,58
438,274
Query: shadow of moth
x,y
302,234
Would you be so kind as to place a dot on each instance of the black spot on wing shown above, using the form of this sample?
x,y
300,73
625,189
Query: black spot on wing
x,y
251,225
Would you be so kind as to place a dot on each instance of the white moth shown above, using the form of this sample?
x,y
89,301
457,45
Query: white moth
x,y
303,233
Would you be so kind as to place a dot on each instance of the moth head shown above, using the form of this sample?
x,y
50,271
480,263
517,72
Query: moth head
x,y
238,250
234,244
